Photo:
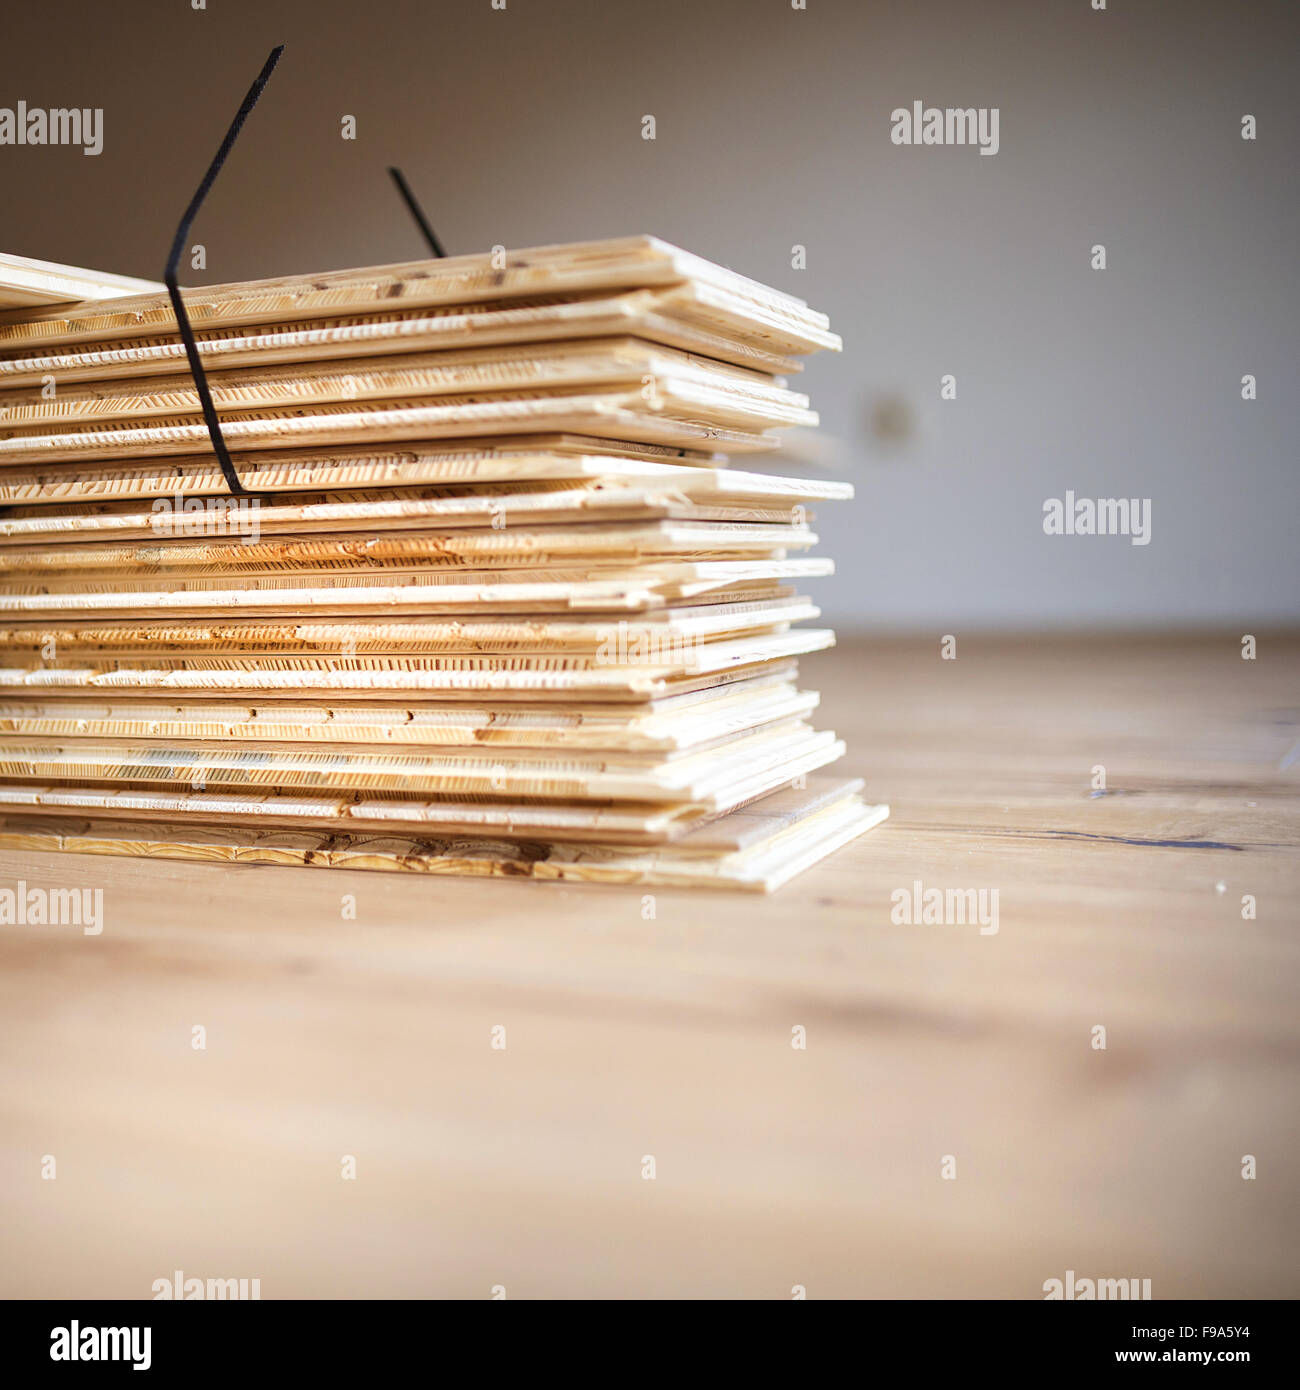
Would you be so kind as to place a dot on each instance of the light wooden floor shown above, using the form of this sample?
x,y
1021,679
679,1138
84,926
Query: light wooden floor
x,y
775,1167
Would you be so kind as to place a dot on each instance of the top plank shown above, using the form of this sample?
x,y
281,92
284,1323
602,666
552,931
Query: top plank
x,y
25,283
582,267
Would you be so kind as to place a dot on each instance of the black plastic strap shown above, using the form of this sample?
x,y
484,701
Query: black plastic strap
x,y
417,212
169,275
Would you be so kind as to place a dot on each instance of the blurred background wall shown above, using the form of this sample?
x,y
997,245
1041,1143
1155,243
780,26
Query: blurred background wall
x,y
523,127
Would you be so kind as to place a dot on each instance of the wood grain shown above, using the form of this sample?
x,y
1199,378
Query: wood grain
x,y
625,1036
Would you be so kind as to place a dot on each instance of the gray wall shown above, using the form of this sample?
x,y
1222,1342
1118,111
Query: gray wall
x,y
523,127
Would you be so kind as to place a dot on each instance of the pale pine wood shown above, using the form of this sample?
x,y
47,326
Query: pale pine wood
x,y
680,626
625,415
712,295
646,314
669,726
222,764
671,1036
289,471
28,283
758,848
564,366
580,589
448,677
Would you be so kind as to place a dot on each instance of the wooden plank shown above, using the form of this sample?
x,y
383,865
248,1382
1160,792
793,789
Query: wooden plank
x,y
650,316
639,642
499,371
706,778
470,808
526,676
740,305
26,283
502,459
527,547
609,589
758,847
664,726
598,501
679,416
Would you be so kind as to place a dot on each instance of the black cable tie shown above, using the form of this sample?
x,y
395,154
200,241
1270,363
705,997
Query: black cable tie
x,y
169,275
417,212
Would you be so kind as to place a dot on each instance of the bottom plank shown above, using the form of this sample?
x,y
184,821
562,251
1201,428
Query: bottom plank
x,y
758,848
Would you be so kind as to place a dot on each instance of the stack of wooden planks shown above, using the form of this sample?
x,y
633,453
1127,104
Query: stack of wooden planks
x,y
493,602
